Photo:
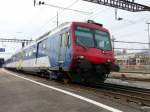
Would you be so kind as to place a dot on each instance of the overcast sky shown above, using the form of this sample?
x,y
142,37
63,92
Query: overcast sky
x,y
20,19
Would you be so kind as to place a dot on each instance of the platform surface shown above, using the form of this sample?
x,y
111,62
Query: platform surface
x,y
25,93
19,95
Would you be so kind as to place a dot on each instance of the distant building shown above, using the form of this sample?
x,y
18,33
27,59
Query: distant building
x,y
141,58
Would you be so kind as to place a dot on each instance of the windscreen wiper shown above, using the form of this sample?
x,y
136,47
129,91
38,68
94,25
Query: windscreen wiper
x,y
82,45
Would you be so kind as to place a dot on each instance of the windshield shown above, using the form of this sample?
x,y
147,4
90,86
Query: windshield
x,y
89,37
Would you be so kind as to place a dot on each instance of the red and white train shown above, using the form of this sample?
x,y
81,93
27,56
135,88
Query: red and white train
x,y
78,51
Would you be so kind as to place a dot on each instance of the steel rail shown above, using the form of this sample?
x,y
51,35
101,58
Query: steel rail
x,y
132,94
123,87
128,94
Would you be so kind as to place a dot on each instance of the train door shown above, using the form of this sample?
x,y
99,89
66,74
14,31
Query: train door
x,y
37,51
65,54
61,58
41,56
38,54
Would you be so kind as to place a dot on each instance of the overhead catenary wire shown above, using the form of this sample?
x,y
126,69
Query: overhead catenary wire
x,y
73,3
131,49
95,16
125,26
63,8
129,24
129,34
130,42
50,20
137,45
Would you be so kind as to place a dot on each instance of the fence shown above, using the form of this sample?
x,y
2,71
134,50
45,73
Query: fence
x,y
132,56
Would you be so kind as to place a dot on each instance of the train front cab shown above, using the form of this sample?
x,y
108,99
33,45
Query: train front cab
x,y
93,57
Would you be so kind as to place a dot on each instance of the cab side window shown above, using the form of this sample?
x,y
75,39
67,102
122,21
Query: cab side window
x,y
65,40
68,40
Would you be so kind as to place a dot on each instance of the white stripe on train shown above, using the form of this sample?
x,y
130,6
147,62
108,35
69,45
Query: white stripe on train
x,y
41,62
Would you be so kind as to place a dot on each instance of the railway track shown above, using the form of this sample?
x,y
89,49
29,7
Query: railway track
x,y
139,96
130,94
119,93
124,76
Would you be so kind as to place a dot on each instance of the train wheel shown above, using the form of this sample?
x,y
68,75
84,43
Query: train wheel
x,y
66,78
66,81
50,78
103,77
42,74
52,75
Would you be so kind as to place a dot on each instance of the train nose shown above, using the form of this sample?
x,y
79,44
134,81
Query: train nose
x,y
84,65
115,67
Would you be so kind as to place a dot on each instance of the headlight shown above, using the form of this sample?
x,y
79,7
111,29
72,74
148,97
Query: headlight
x,y
108,60
81,57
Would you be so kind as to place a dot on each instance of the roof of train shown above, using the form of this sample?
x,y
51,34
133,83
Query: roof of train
x,y
57,29
53,31
43,37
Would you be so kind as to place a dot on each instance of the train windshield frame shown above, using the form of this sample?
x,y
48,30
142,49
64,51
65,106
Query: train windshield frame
x,y
92,38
